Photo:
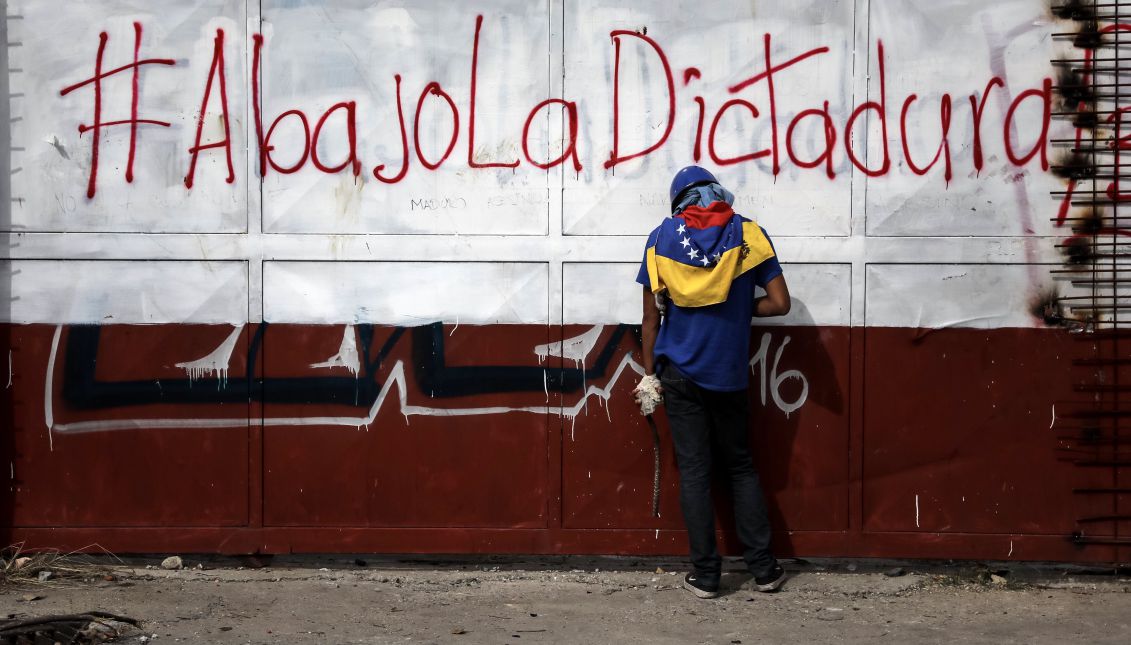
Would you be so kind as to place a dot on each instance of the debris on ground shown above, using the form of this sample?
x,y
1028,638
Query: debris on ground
x,y
831,613
172,563
46,567
77,629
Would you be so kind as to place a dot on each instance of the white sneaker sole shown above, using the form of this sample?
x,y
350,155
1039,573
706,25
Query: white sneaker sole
x,y
700,593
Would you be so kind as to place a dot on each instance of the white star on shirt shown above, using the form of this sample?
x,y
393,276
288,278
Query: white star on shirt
x,y
686,242
692,254
705,261
681,229
718,257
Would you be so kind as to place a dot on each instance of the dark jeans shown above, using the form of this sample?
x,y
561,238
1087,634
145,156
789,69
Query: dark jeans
x,y
706,424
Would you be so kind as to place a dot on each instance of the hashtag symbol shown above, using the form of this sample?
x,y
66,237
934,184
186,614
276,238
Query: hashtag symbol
x,y
97,124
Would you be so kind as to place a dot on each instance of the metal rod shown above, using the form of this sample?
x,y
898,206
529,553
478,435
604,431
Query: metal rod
x,y
1097,70
1096,176
1104,518
1099,541
1098,165
1066,298
1097,414
1094,451
1073,87
1102,335
1081,191
1084,219
1087,443
1063,35
1088,270
1068,61
1087,430
1081,112
1073,141
1093,5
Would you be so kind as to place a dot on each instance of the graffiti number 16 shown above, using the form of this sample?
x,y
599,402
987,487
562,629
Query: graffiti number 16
x,y
777,380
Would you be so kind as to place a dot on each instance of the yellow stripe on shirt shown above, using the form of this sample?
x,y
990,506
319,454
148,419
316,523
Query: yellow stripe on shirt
x,y
698,286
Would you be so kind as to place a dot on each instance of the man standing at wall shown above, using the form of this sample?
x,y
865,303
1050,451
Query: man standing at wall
x,y
700,270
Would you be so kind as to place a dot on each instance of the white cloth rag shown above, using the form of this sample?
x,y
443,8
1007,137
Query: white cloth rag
x,y
647,394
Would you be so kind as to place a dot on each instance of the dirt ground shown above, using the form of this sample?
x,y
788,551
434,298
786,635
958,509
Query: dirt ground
x,y
361,599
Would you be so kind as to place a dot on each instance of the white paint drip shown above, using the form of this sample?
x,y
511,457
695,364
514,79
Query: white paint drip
x,y
347,356
396,377
585,388
916,511
575,349
48,411
1053,422
546,385
215,363
657,534
9,370
1010,549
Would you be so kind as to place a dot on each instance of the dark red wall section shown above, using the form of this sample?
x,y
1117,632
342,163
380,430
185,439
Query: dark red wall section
x,y
961,419
141,476
909,443
486,470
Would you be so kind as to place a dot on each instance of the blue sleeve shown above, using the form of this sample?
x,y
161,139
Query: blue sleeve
x,y
769,268
642,275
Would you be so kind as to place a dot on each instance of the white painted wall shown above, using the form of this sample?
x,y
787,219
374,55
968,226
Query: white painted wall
x,y
484,245
125,292
405,293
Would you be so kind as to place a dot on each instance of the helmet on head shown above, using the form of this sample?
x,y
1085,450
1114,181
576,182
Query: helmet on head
x,y
689,177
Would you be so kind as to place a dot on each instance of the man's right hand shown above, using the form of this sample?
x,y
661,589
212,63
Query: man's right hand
x,y
648,394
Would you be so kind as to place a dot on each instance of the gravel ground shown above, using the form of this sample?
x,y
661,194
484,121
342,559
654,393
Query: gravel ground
x,y
383,600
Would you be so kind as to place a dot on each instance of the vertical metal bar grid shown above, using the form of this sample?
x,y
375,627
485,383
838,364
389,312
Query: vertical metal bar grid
x,y
1095,281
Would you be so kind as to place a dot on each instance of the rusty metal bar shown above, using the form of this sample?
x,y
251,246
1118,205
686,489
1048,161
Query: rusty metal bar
x,y
1103,541
1104,518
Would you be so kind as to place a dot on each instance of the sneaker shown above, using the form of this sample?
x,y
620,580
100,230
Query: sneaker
x,y
771,581
692,583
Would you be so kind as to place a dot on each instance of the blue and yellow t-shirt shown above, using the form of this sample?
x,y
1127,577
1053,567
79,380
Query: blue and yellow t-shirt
x,y
708,261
